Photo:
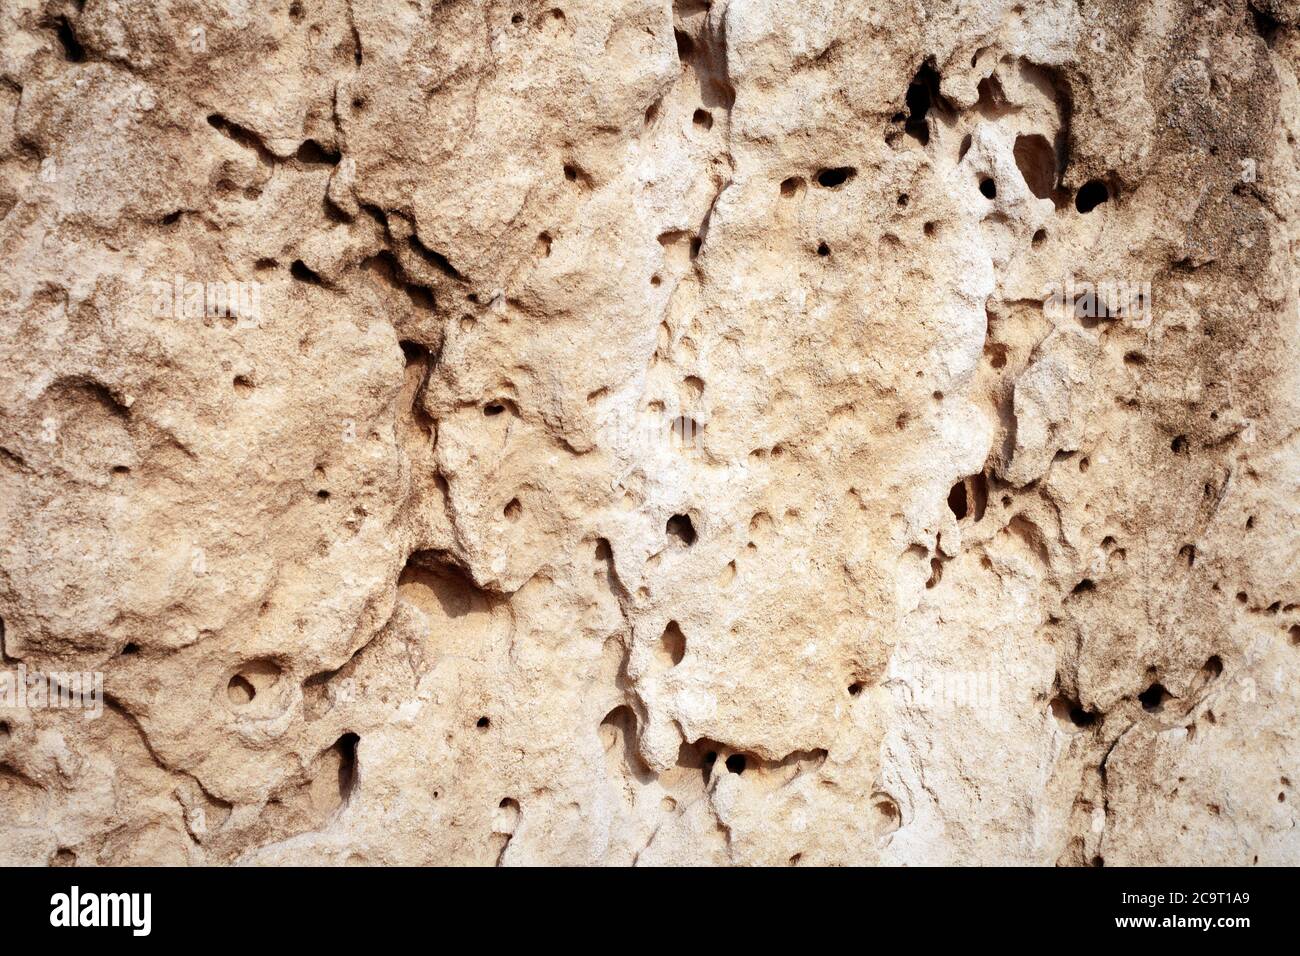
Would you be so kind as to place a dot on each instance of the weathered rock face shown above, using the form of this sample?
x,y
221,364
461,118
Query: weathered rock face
x,y
613,431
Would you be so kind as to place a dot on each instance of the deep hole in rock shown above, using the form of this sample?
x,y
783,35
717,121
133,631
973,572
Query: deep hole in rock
x,y
680,528
346,747
922,94
988,188
837,176
1154,697
73,51
957,500
1091,195
736,763
1266,25
302,273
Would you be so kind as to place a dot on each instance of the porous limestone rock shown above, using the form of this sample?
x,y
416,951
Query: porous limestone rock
x,y
636,431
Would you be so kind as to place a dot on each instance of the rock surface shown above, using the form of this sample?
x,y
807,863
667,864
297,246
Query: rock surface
x,y
625,431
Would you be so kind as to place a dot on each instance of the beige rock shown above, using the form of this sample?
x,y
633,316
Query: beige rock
x,y
624,431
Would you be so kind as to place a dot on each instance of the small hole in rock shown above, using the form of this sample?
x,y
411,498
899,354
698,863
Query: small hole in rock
x,y
988,188
736,763
1070,713
240,691
936,572
823,250
483,723
672,643
513,510
703,119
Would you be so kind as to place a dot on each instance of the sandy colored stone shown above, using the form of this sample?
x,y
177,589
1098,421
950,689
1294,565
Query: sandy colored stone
x,y
644,432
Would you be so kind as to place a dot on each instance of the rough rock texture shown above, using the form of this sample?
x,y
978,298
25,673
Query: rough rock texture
x,y
757,432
